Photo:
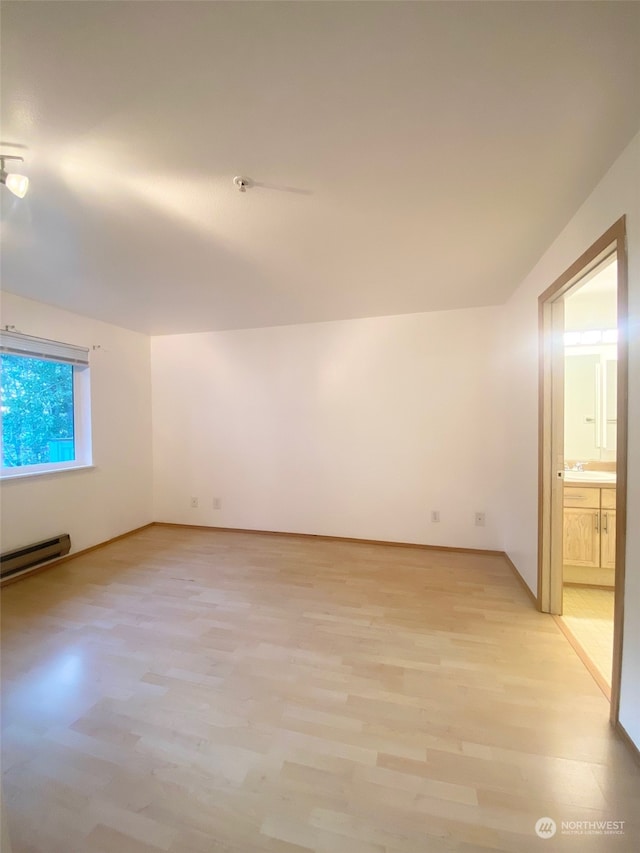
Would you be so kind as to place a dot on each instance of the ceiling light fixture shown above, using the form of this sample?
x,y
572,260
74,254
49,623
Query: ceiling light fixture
x,y
17,184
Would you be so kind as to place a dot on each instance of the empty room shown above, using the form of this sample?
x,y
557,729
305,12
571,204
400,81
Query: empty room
x,y
320,375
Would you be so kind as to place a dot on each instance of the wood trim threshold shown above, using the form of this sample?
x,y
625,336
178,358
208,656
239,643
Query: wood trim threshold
x,y
626,737
584,657
326,538
44,567
522,581
577,585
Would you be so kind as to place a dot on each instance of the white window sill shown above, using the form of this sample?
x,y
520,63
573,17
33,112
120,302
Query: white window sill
x,y
52,472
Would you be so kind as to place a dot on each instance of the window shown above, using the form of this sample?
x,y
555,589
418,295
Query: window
x,y
45,423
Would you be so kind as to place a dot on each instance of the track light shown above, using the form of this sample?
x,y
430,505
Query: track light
x,y
17,184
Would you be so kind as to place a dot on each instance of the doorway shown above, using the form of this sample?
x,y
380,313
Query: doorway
x,y
582,458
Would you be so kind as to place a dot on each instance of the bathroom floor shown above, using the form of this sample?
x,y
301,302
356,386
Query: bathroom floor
x,y
588,614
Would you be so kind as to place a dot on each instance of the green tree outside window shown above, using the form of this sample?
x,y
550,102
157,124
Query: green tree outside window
x,y
37,411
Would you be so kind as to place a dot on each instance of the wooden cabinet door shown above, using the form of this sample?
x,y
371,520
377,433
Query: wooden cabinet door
x,y
608,539
582,536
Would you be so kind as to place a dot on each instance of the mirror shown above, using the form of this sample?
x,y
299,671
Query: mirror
x,y
590,403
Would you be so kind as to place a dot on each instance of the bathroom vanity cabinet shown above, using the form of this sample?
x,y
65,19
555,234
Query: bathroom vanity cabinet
x,y
589,541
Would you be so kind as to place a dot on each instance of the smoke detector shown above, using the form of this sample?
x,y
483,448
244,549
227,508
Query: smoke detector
x,y
243,183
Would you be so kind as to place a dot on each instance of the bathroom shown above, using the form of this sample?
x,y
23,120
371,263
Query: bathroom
x,y
590,455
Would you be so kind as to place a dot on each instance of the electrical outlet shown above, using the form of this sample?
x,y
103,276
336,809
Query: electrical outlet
x,y
217,503
194,503
435,515
479,519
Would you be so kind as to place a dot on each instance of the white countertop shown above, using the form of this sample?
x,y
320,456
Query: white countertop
x,y
590,478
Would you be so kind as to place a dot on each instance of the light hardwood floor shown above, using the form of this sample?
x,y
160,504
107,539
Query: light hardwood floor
x,y
195,691
588,614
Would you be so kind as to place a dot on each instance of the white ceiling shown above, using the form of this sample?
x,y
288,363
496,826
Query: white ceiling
x,y
414,156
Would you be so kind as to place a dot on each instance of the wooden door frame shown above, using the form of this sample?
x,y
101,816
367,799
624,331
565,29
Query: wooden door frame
x,y
613,240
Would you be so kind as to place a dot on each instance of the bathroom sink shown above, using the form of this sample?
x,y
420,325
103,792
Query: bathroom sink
x,y
590,476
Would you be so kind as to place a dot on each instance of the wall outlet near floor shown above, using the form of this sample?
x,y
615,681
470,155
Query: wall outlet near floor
x,y
480,519
435,515
217,503
194,503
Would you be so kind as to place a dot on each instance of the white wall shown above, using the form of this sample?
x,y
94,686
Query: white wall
x,y
615,195
354,428
116,496
590,311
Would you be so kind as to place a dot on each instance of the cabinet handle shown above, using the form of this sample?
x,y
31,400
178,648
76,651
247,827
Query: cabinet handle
x,y
597,521
605,526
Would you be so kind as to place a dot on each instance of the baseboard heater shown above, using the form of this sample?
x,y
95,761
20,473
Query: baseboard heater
x,y
32,555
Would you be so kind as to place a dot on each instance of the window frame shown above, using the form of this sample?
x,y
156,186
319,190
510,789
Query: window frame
x,y
25,346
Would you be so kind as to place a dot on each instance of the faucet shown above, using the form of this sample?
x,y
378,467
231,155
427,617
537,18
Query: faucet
x,y
577,466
